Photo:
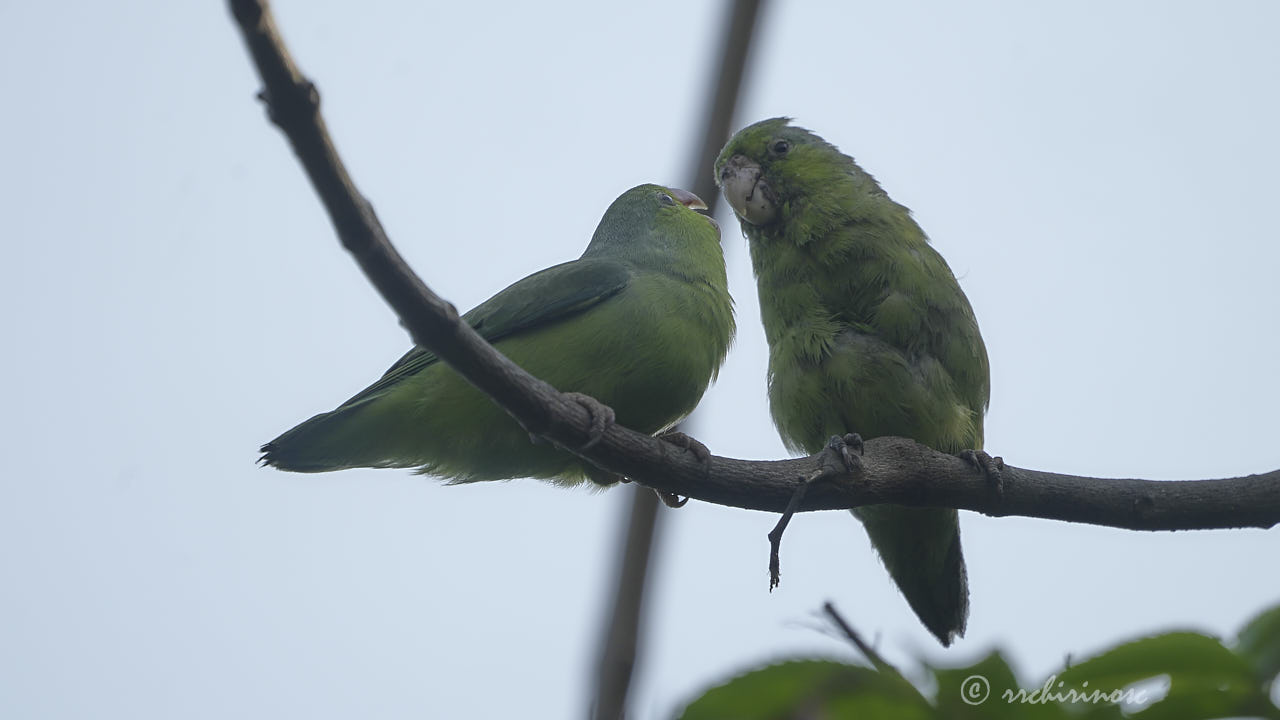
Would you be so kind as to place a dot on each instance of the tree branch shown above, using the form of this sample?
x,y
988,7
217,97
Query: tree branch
x,y
894,470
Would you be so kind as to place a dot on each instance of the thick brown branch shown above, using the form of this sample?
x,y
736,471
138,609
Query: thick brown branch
x,y
893,470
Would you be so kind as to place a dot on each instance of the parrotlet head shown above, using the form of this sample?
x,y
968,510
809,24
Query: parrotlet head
x,y
652,218
767,164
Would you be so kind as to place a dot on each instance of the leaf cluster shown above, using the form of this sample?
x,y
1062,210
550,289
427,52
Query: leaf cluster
x,y
1175,675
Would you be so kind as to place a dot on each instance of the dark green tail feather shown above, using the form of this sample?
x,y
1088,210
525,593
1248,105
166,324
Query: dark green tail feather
x,y
910,542
310,446
289,451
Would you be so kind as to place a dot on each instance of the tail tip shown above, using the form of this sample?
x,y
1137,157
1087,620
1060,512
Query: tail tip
x,y
267,459
946,636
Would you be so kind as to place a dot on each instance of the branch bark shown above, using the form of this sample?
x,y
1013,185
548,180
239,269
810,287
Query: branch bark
x,y
894,470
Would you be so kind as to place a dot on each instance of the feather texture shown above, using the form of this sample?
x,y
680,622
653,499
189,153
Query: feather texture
x,y
868,332
641,322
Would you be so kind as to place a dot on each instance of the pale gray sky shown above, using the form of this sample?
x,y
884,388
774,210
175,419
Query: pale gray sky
x,y
1101,176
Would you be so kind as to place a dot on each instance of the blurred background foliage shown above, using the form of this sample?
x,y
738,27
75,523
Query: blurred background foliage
x,y
1175,675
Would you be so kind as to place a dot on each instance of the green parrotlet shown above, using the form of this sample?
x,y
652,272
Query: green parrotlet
x,y
868,332
641,322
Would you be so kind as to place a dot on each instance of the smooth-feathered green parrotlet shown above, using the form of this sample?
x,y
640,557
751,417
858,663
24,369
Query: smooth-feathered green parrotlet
x,y
868,332
641,322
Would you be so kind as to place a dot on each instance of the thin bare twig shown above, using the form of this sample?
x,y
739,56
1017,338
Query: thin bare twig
x,y
847,630
621,637
618,656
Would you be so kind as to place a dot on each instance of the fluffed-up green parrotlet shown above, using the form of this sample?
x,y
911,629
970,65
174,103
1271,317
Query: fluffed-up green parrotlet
x,y
868,332
641,322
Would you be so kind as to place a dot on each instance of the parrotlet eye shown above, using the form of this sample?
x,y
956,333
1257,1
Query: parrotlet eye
x,y
780,147
665,199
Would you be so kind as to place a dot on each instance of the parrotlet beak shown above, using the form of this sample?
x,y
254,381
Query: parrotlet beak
x,y
747,191
688,199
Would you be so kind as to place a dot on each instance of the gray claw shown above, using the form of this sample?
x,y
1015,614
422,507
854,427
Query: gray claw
x,y
684,442
845,447
989,467
602,417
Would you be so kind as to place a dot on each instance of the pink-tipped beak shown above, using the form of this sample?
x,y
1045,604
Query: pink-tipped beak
x,y
688,199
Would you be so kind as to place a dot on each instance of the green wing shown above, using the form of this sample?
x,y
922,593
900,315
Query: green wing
x,y
547,296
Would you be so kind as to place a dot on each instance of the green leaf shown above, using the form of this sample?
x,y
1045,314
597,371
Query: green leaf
x,y
1177,654
1259,645
809,689
987,689
1206,680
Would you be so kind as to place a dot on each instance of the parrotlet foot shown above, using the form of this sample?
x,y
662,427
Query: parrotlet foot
x,y
989,467
685,442
602,417
848,448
